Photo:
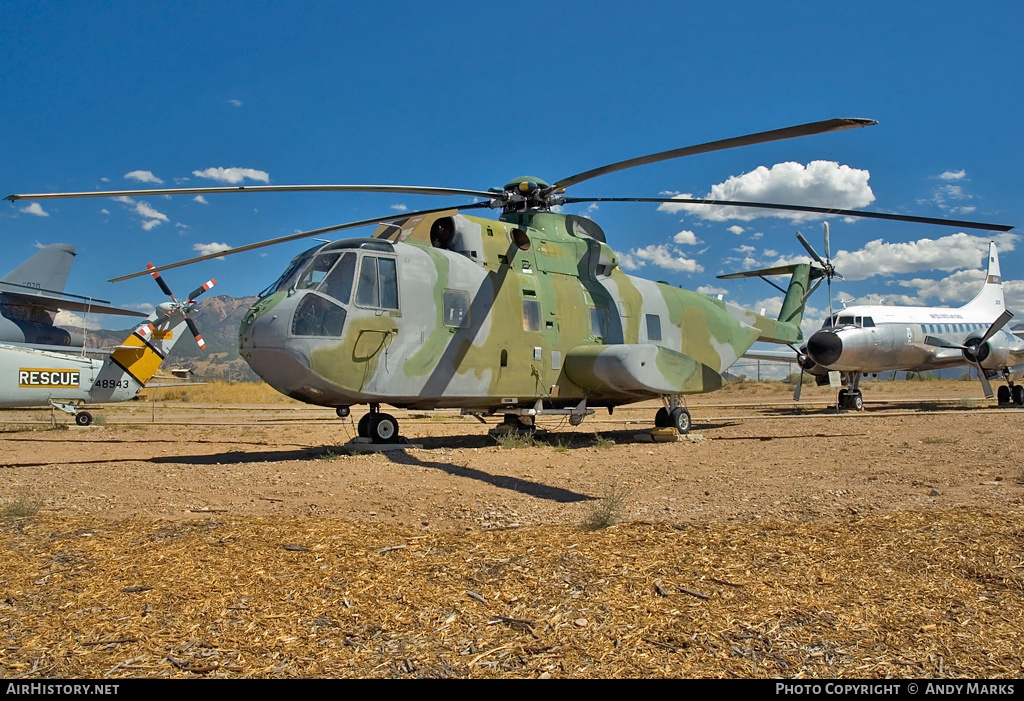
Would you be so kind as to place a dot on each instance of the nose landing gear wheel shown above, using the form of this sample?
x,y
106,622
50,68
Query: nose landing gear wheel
x,y
83,418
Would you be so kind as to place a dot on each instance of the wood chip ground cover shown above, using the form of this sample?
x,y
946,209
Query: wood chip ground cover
x,y
779,544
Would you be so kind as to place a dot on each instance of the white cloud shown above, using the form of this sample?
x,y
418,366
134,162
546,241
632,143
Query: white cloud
x,y
953,175
143,176
151,216
236,103
200,199
745,249
232,176
736,229
35,209
711,290
947,253
818,184
206,249
661,256
150,223
75,321
686,238
399,208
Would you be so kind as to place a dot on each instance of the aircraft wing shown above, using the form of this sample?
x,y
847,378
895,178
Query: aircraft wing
x,y
55,303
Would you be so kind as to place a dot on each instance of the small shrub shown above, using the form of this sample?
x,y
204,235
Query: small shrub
x,y
513,440
22,507
609,510
602,443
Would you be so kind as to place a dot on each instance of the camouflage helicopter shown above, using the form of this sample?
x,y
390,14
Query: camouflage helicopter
x,y
527,315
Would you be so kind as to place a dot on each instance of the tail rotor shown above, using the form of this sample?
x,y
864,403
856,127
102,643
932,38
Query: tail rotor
x,y
828,270
183,307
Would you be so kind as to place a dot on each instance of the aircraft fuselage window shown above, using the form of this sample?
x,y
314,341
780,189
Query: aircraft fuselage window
x,y
378,283
338,283
653,327
597,322
456,308
531,315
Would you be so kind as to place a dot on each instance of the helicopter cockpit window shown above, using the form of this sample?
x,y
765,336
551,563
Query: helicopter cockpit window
x,y
315,273
456,308
338,283
316,316
378,283
291,272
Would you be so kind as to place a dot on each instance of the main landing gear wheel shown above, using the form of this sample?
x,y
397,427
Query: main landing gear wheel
x,y
383,428
851,399
678,418
1018,395
363,429
83,418
1003,395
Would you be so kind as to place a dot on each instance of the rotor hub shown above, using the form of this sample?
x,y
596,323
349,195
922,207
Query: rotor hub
x,y
526,193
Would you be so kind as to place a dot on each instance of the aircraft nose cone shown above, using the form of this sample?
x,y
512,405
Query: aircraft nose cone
x,y
824,347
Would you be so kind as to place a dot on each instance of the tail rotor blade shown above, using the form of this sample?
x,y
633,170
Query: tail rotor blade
x,y
200,290
810,250
828,254
159,280
195,332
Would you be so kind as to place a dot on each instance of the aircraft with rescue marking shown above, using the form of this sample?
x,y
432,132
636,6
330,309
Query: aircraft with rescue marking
x,y
527,315
32,377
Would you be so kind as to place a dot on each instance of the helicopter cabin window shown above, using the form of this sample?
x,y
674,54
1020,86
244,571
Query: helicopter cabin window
x,y
316,271
338,283
597,322
456,308
316,316
531,315
378,283
653,327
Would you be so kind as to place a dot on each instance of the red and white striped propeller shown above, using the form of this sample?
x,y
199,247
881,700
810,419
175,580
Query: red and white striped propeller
x,y
182,307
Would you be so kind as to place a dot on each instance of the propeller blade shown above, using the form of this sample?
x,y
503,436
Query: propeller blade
x,y
296,237
799,384
195,332
985,385
802,208
398,189
748,140
151,269
200,290
940,343
999,323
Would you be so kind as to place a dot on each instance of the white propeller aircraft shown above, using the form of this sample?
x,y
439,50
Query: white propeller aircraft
x,y
868,339
32,377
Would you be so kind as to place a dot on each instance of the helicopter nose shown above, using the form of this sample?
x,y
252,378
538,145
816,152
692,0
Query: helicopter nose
x,y
825,347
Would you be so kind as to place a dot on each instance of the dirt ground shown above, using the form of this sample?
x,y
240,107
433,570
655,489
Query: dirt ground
x,y
183,539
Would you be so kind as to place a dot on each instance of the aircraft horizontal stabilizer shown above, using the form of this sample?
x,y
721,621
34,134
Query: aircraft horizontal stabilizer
x,y
55,303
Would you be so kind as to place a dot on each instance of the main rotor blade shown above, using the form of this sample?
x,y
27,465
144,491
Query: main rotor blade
x,y
400,189
801,208
296,237
748,140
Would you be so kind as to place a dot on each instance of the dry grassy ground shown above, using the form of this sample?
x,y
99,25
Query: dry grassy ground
x,y
205,537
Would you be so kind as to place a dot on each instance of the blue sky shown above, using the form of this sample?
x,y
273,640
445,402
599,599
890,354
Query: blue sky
x,y
121,95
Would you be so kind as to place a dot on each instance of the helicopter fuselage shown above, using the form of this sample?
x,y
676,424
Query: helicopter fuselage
x,y
450,311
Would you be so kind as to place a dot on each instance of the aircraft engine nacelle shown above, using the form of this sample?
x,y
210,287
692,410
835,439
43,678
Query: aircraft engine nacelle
x,y
991,355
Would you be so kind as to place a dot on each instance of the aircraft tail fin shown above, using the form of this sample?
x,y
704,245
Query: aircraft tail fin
x,y
786,328
990,298
47,269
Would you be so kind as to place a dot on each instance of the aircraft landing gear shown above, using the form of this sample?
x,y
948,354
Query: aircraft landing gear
x,y
674,416
83,418
850,396
378,427
1010,394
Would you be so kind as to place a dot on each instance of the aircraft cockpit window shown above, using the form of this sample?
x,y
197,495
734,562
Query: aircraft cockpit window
x,y
338,283
316,316
315,273
291,272
456,308
869,322
845,321
378,283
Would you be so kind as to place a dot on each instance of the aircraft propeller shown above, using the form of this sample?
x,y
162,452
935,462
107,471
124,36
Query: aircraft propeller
x,y
975,350
179,306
